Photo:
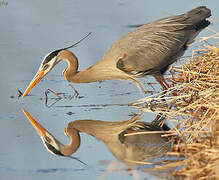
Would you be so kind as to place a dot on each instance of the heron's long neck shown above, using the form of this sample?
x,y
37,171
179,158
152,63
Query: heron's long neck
x,y
98,72
94,73
102,70
72,61
74,144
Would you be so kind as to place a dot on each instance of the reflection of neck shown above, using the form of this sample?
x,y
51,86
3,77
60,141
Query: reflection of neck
x,y
74,143
104,131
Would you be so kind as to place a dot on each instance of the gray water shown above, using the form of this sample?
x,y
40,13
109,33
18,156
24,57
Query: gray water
x,y
31,29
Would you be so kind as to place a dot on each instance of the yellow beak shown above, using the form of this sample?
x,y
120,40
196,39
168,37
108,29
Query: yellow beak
x,y
40,130
39,75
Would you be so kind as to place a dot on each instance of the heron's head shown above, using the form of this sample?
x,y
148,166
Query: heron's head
x,y
49,141
49,61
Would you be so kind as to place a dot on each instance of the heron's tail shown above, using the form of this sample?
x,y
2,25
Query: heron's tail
x,y
198,16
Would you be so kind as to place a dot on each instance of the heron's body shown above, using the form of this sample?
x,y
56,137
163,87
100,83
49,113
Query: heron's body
x,y
113,134
148,50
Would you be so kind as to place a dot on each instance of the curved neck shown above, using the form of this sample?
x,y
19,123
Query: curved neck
x,y
101,130
102,70
74,144
72,61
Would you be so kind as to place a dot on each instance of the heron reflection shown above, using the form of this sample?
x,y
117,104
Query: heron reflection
x,y
117,136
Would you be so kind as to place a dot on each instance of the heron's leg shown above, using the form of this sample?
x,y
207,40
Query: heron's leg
x,y
162,82
164,86
76,93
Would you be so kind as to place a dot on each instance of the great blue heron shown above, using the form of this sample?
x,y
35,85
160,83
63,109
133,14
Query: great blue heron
x,y
148,50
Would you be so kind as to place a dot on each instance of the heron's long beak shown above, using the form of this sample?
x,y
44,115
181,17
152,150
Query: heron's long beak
x,y
39,75
40,130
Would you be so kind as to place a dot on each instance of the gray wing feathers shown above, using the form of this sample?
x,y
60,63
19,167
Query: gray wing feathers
x,y
160,43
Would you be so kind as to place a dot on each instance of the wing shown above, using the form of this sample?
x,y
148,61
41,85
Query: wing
x,y
156,45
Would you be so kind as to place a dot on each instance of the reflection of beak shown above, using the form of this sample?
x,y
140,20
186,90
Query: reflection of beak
x,y
39,75
40,130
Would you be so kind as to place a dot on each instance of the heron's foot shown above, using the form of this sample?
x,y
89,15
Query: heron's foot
x,y
76,93
56,94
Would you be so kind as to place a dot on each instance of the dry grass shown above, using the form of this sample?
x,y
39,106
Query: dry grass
x,y
192,107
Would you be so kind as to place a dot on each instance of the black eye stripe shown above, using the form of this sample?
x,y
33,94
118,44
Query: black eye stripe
x,y
50,56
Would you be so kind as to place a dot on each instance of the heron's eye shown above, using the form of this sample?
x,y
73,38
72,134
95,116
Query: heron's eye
x,y
45,66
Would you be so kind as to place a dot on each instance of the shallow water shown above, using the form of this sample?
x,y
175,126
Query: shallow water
x,y
29,30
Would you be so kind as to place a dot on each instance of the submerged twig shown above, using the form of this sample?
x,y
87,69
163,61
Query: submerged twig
x,y
46,100
76,93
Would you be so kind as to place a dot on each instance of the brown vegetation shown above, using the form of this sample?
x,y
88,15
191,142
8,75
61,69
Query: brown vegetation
x,y
191,106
